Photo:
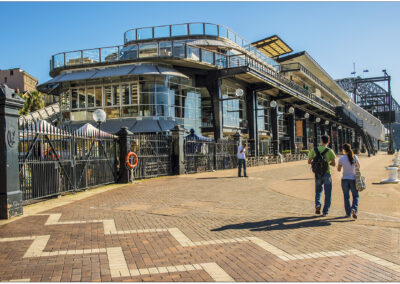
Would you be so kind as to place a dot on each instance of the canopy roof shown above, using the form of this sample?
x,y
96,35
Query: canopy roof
x,y
272,46
89,130
115,71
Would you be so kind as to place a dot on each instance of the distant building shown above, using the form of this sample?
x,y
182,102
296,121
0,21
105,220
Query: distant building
x,y
18,80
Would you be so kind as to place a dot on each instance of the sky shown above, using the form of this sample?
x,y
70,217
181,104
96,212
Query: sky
x,y
335,34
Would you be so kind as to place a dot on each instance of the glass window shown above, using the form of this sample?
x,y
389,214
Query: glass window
x,y
112,112
179,49
91,56
223,32
99,99
90,97
135,93
160,32
73,58
193,53
58,60
129,52
148,50
145,33
116,95
130,35
211,29
74,99
207,56
82,98
196,29
179,30
130,111
107,96
125,94
109,54
165,48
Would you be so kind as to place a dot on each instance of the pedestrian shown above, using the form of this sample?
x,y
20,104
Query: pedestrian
x,y
241,154
321,158
349,162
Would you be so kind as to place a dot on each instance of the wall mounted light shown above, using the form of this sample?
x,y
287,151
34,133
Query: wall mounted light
x,y
340,127
326,122
291,110
239,93
273,104
317,119
306,115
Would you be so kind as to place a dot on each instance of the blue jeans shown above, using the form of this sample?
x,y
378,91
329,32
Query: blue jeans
x,y
326,181
347,185
242,163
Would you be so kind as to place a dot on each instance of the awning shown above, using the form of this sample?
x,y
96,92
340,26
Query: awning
x,y
116,71
89,130
273,46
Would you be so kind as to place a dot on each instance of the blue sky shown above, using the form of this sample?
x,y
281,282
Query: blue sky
x,y
335,34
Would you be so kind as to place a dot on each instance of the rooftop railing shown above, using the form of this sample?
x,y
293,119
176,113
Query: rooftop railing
x,y
181,50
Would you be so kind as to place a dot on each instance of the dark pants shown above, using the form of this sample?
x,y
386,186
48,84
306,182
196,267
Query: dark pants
x,y
326,182
347,186
242,163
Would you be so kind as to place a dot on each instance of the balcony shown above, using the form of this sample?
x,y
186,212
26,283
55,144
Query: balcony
x,y
289,67
183,51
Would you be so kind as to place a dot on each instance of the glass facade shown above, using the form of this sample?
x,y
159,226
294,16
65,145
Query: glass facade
x,y
166,97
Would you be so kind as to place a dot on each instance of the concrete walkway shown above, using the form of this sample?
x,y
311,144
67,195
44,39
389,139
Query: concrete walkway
x,y
209,227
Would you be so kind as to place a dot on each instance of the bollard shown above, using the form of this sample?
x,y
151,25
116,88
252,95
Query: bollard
x,y
396,162
393,175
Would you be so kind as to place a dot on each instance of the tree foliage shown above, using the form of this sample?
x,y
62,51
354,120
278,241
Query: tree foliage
x,y
33,101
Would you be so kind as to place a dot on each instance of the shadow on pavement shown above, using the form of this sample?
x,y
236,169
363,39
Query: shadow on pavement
x,y
216,177
287,223
301,179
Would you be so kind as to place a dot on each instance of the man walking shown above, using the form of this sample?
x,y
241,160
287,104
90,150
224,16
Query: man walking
x,y
320,158
241,154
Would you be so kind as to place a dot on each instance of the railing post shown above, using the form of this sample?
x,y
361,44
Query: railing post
x,y
10,192
177,157
124,147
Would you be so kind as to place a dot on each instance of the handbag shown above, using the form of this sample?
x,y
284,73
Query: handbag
x,y
360,180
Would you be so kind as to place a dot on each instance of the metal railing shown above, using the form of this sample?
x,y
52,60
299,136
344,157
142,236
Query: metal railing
x,y
186,51
298,66
196,29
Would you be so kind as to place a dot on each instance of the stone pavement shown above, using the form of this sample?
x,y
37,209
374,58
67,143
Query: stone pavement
x,y
208,227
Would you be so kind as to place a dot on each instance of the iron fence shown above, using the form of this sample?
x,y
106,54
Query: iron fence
x,y
199,156
55,160
154,154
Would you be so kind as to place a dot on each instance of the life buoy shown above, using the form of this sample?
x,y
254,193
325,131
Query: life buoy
x,y
52,155
128,164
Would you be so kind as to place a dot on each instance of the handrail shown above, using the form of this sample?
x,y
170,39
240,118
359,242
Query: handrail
x,y
310,74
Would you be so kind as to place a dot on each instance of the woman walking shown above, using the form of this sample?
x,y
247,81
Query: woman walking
x,y
349,162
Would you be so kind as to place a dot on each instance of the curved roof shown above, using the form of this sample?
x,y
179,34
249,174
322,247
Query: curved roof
x,y
115,71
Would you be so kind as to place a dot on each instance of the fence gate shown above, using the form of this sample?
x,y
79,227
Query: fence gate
x,y
154,154
199,156
54,160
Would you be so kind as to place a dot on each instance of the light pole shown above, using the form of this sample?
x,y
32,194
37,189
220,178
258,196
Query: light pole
x,y
99,115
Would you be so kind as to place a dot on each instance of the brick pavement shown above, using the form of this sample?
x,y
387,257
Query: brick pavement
x,y
204,227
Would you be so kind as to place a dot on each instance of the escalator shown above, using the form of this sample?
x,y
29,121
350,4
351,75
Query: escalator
x,y
50,113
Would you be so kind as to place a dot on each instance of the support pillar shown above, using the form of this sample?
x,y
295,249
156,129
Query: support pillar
x,y
214,88
337,140
177,155
251,110
10,194
340,138
316,134
305,134
124,136
292,132
329,132
275,130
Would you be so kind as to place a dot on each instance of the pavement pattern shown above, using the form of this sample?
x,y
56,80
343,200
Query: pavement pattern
x,y
208,227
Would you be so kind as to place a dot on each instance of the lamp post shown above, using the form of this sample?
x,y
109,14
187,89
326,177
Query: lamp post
x,y
99,115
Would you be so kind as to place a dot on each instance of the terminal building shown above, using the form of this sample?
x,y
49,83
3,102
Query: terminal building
x,y
208,78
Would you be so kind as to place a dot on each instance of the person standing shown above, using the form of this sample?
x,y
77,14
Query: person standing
x,y
241,154
349,162
321,159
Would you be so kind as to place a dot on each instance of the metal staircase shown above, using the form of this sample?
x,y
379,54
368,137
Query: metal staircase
x,y
351,120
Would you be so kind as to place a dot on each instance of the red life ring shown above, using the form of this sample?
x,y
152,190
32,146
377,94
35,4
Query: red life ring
x,y
128,164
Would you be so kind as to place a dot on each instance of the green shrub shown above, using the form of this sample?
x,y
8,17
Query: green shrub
x,y
285,152
305,152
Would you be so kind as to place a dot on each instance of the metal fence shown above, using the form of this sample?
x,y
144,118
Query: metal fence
x,y
154,155
55,160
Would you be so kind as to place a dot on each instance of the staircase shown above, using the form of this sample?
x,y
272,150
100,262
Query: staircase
x,y
347,118
50,113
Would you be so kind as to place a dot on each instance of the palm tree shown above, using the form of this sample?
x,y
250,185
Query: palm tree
x,y
33,101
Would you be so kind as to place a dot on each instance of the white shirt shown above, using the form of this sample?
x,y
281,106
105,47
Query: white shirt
x,y
349,170
241,155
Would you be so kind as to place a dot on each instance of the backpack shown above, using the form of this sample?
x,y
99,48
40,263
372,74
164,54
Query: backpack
x,y
319,165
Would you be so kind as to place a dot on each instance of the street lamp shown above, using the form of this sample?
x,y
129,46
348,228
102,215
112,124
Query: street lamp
x,y
317,119
273,104
99,115
306,115
326,122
